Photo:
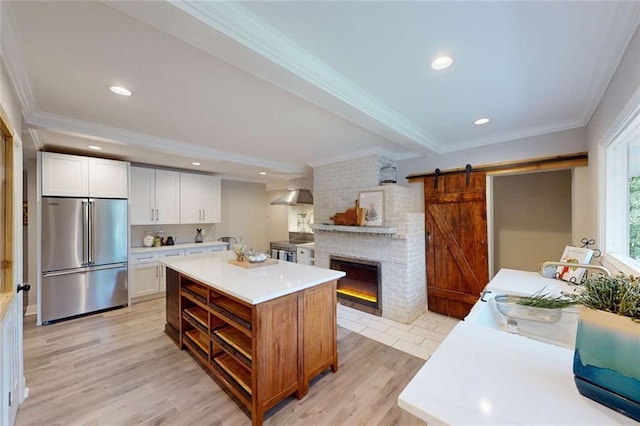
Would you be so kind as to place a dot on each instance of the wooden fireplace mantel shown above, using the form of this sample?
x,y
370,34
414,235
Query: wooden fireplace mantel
x,y
378,230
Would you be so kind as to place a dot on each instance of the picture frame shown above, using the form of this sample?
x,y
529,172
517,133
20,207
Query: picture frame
x,y
373,202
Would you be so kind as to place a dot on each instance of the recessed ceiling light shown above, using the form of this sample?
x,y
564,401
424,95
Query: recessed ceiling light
x,y
481,121
120,90
263,173
442,62
96,147
195,163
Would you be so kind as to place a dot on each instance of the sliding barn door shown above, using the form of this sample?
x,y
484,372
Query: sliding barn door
x,y
456,242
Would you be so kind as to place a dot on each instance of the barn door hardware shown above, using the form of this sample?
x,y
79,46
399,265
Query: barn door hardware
x,y
435,181
468,172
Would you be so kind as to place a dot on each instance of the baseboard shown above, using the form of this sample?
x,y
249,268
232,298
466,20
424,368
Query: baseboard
x,y
31,310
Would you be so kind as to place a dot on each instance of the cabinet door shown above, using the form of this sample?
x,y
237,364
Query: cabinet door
x,y
143,195
210,199
167,197
190,198
108,178
64,175
146,279
199,198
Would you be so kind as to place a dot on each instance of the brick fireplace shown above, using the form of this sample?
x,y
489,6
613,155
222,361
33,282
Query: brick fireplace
x,y
398,248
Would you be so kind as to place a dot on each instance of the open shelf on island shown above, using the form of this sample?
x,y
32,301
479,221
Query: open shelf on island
x,y
201,341
232,310
240,374
236,343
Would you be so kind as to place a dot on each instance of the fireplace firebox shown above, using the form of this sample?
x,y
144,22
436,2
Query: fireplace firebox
x,y
360,288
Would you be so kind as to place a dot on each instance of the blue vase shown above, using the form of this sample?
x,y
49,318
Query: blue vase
x,y
606,362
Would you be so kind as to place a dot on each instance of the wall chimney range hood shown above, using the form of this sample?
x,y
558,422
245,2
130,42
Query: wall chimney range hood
x,y
294,197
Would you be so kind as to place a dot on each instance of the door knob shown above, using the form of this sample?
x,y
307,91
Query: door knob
x,y
24,287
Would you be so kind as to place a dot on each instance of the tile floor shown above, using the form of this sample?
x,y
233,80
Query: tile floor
x,y
420,338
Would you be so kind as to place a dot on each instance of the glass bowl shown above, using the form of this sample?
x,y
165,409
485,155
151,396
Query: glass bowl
x,y
508,306
255,256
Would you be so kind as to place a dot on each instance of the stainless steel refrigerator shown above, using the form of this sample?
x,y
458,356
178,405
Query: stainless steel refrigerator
x,y
84,256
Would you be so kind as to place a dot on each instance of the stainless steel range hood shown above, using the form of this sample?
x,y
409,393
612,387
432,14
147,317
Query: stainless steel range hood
x,y
294,197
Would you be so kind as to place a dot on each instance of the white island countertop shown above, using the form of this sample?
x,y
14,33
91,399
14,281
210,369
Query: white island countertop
x,y
251,285
481,374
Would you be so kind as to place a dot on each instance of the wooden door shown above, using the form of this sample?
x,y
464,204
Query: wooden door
x,y
456,242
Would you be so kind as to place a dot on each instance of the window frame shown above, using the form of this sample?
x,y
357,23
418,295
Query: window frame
x,y
615,217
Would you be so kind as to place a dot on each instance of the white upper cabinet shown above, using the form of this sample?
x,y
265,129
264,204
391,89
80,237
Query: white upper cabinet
x,y
108,178
77,176
155,196
65,175
199,198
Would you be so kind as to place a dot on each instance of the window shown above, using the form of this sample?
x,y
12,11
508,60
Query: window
x,y
622,196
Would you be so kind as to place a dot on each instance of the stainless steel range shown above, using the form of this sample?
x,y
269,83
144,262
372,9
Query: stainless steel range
x,y
286,249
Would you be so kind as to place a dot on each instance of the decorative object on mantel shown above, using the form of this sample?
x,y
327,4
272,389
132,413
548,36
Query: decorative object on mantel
x,y
606,362
372,201
388,174
353,216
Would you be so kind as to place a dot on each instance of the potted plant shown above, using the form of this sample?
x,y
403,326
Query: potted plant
x,y
606,362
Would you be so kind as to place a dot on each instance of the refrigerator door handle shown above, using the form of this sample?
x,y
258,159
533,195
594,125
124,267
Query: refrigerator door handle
x,y
91,217
85,236
79,270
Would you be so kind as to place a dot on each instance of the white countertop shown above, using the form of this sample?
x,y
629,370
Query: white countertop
x,y
176,246
252,285
525,283
481,374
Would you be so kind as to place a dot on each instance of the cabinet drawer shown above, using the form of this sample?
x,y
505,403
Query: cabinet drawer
x,y
141,258
216,248
196,250
171,253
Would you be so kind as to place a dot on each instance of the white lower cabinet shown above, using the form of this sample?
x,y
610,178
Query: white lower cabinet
x,y
147,275
144,275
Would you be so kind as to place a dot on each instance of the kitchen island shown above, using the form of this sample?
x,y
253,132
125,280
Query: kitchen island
x,y
263,332
482,374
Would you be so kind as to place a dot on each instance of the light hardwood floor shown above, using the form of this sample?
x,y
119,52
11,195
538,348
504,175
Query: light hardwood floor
x,y
119,368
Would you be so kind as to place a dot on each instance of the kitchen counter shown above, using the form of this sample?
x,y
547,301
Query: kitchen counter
x,y
251,285
482,374
177,246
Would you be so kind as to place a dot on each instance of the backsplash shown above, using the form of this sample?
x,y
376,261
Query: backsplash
x,y
181,233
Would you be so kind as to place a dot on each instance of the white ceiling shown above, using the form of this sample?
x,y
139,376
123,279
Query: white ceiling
x,y
280,87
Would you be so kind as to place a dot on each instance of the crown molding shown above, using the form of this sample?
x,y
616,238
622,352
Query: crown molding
x,y
609,57
96,131
237,23
38,138
512,136
13,61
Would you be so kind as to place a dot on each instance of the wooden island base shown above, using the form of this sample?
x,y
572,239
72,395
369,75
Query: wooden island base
x,y
262,353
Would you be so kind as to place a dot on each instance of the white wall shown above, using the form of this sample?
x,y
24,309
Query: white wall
x,y
619,100
244,213
277,218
